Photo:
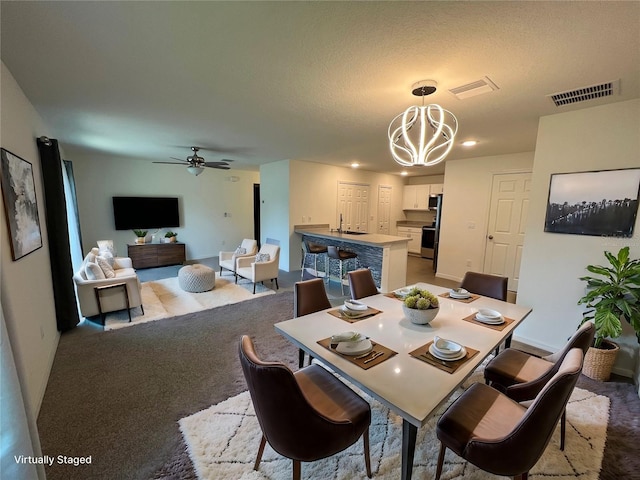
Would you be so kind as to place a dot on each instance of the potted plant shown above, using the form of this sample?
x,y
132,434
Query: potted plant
x,y
140,235
612,295
170,237
420,306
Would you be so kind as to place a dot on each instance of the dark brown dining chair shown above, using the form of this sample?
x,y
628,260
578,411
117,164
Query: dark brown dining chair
x,y
521,376
306,415
361,283
309,296
496,433
487,285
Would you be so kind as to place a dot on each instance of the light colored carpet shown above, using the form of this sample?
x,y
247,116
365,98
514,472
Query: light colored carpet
x,y
164,299
223,440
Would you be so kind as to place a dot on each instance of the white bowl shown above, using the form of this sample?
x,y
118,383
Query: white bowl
x,y
446,347
355,348
488,313
354,305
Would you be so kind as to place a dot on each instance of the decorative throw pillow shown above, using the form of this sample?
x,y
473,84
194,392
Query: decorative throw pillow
x,y
262,257
90,258
95,251
106,245
107,269
108,256
93,271
240,251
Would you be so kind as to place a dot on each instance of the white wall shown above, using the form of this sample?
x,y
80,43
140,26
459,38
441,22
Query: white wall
x,y
26,289
274,207
465,210
314,198
599,138
204,200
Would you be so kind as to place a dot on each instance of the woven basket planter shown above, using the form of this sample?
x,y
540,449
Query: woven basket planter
x,y
598,362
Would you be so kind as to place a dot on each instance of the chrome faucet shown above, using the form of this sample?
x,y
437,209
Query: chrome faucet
x,y
340,227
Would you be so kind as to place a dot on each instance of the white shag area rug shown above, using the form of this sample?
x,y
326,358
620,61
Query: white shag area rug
x,y
223,441
164,299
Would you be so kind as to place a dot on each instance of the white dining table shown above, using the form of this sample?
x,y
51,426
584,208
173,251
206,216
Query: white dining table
x,y
411,388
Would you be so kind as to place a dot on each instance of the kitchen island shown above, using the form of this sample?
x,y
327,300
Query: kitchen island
x,y
384,255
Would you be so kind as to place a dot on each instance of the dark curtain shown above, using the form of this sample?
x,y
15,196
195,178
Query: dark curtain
x,y
57,232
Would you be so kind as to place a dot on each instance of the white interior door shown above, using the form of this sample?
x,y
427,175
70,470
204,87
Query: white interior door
x,y
507,223
384,208
353,204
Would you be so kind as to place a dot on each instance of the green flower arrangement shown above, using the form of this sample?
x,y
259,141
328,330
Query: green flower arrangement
x,y
170,234
140,233
421,299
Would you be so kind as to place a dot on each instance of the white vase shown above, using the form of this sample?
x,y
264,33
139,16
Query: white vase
x,y
420,317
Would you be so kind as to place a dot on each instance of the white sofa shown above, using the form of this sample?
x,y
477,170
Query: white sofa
x,y
88,277
247,267
227,260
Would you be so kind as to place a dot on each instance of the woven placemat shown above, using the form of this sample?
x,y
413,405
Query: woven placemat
x,y
368,313
472,319
363,362
422,353
472,297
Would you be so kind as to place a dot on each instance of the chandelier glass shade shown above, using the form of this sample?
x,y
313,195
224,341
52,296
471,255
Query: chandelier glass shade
x,y
422,135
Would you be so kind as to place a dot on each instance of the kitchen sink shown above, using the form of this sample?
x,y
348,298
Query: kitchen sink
x,y
352,232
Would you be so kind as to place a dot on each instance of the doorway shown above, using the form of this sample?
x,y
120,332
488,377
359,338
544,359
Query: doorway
x,y
256,212
507,223
384,208
353,206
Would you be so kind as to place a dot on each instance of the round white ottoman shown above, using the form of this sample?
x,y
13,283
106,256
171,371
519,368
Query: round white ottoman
x,y
196,278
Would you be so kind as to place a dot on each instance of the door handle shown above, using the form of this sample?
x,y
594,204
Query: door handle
x,y
490,237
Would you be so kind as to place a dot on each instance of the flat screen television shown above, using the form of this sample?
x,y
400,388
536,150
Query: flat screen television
x,y
145,212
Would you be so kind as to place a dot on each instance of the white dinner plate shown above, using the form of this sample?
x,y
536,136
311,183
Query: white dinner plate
x,y
447,358
355,348
459,296
347,312
490,321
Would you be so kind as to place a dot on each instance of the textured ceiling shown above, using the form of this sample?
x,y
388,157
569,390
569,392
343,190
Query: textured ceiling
x,y
316,81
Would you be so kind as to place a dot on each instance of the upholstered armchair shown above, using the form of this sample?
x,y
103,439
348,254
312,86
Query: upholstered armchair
x,y
263,266
96,274
227,260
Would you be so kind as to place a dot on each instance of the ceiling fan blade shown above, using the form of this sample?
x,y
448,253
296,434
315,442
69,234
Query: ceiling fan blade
x,y
180,159
220,167
172,163
215,164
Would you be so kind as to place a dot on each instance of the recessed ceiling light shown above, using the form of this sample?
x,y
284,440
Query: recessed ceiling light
x,y
355,164
469,143
404,173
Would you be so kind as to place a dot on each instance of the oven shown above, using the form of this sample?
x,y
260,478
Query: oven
x,y
428,242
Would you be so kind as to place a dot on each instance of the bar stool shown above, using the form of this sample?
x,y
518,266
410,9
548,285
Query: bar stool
x,y
335,253
313,249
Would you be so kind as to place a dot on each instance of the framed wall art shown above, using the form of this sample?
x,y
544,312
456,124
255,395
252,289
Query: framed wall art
x,y
20,204
602,203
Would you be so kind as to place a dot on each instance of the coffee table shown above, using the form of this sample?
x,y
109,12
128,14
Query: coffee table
x,y
410,387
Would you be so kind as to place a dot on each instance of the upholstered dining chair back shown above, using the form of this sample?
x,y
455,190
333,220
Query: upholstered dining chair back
x,y
304,416
362,284
484,284
499,435
309,296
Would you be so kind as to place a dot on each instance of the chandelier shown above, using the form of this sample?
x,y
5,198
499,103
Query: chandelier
x,y
422,135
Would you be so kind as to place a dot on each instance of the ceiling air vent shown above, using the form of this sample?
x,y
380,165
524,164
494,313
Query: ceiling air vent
x,y
586,93
472,89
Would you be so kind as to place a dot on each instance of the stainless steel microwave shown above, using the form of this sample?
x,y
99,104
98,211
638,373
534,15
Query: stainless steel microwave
x,y
433,202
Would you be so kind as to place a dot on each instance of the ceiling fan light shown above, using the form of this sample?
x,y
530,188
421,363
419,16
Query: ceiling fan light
x,y
195,170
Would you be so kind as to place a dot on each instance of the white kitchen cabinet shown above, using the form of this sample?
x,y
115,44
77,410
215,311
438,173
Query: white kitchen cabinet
x,y
436,188
414,234
415,197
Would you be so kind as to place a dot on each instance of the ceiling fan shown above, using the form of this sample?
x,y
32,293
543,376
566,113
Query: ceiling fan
x,y
196,164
